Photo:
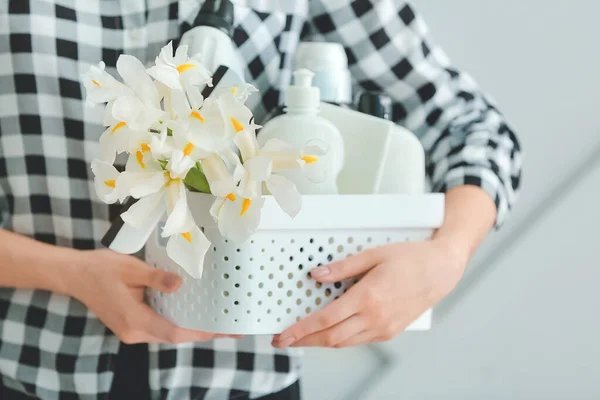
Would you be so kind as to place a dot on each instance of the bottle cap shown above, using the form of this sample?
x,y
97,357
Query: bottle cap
x,y
218,14
302,94
376,104
330,64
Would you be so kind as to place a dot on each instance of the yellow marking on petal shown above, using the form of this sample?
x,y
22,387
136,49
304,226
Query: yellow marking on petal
x,y
231,197
245,206
197,115
145,147
236,125
184,67
111,183
117,127
309,159
95,82
139,156
187,150
187,236
233,90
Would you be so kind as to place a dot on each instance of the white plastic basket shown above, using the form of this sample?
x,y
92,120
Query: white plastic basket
x,y
262,286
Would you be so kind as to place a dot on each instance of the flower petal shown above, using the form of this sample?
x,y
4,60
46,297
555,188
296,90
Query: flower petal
x,y
165,57
142,212
188,249
141,161
100,86
180,219
219,179
237,221
167,75
105,181
215,209
179,164
259,168
247,144
134,75
286,194
180,104
141,184
108,146
237,115
181,55
195,96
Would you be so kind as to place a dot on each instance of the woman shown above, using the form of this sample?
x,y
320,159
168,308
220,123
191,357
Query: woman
x,y
72,318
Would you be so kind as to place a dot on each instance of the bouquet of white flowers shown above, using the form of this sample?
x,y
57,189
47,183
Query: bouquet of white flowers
x,y
177,141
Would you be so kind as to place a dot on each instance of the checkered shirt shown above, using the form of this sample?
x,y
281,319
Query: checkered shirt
x,y
51,346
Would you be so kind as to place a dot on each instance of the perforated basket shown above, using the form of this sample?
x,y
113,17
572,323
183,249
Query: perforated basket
x,y
262,286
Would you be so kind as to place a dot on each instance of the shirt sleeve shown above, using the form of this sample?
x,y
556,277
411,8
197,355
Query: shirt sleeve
x,y
4,215
467,140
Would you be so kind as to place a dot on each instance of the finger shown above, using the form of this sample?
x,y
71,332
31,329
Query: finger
x,y
332,314
220,335
147,338
157,279
364,337
347,268
166,331
334,335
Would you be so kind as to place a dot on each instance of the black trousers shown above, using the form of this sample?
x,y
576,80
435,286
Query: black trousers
x,y
131,377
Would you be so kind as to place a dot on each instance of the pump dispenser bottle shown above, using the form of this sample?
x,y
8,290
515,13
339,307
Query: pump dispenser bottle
x,y
303,128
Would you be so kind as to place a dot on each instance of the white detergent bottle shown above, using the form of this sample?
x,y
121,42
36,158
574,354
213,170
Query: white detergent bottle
x,y
303,128
211,42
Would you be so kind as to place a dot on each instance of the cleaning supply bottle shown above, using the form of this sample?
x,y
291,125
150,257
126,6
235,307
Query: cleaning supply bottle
x,y
374,103
302,127
381,157
211,42
329,63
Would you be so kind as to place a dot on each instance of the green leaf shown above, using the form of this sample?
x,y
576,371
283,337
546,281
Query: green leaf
x,y
196,181
163,163
169,132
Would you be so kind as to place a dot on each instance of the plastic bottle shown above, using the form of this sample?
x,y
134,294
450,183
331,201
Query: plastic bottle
x,y
210,41
330,64
301,126
380,156
374,103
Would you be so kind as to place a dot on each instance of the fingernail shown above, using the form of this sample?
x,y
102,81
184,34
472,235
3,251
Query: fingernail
x,y
285,342
320,271
170,281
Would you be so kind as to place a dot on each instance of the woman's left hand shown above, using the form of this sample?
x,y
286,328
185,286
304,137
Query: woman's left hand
x,y
401,281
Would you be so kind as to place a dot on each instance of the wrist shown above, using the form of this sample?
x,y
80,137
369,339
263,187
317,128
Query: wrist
x,y
65,270
455,256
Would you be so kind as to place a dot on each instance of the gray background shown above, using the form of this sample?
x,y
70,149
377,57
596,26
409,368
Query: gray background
x,y
523,323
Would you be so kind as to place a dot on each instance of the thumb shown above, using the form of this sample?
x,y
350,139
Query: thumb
x,y
347,268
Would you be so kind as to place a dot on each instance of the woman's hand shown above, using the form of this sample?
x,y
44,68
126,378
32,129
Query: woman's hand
x,y
112,286
401,282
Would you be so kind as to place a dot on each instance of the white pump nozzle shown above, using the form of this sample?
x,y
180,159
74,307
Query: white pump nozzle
x,y
303,77
302,95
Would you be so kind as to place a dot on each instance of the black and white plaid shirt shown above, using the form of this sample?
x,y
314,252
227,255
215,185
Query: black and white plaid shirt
x,y
51,346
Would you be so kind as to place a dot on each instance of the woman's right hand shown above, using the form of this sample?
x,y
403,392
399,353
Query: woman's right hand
x,y
112,286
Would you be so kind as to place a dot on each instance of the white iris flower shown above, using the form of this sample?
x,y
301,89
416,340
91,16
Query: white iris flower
x,y
178,140
179,71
